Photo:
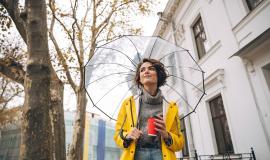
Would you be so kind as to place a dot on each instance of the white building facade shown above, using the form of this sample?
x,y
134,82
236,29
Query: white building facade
x,y
230,40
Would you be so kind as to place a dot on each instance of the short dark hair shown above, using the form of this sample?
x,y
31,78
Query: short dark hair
x,y
160,69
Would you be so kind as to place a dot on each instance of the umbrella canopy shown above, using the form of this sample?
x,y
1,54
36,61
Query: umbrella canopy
x,y
111,71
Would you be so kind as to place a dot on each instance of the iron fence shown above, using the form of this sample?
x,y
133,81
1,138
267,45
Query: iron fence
x,y
226,156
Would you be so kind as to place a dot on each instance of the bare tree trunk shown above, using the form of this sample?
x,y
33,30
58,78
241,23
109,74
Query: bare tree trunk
x,y
36,127
57,118
14,71
76,148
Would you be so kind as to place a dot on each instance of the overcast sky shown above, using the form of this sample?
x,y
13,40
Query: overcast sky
x,y
149,22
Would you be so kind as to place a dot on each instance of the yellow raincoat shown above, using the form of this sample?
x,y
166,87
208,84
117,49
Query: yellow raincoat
x,y
127,122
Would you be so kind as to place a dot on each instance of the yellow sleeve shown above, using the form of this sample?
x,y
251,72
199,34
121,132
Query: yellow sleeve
x,y
176,134
120,123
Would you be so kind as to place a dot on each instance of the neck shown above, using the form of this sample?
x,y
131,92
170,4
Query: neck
x,y
152,90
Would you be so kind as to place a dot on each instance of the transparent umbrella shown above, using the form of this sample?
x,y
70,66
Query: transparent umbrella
x,y
111,71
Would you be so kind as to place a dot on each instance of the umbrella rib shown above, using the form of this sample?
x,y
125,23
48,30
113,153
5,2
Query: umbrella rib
x,y
186,82
134,64
112,89
183,67
135,48
98,107
167,41
195,61
123,73
122,99
153,47
179,95
193,111
171,54
124,66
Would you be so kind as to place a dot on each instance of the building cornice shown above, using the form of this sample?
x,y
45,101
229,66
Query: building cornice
x,y
215,78
166,17
258,41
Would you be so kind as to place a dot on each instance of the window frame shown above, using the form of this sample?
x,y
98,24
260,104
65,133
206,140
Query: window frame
x,y
249,5
219,118
201,52
266,75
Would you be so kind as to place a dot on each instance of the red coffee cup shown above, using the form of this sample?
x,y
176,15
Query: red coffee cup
x,y
151,127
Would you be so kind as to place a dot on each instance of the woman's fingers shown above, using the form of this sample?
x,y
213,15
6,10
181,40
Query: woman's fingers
x,y
160,126
137,132
159,123
134,134
133,137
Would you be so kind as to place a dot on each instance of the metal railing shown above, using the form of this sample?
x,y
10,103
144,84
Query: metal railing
x,y
226,156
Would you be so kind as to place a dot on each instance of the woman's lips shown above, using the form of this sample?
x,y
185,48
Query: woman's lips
x,y
147,76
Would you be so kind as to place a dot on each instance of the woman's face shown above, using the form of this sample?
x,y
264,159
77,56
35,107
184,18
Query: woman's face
x,y
148,74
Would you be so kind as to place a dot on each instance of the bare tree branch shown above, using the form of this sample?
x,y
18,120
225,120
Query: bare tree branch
x,y
83,23
58,50
74,14
64,27
104,8
4,87
106,20
13,10
10,98
12,70
99,2
79,32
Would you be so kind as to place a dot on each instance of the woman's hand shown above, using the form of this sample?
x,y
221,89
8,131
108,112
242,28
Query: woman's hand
x,y
161,127
134,134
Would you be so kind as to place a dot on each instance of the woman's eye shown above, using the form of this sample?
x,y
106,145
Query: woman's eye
x,y
152,68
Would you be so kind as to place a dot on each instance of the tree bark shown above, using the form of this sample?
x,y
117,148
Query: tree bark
x,y
76,148
57,118
14,70
12,7
36,127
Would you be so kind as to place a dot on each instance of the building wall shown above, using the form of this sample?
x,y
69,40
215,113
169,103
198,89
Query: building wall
x,y
229,27
9,143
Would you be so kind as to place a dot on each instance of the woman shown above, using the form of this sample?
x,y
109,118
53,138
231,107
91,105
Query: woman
x,y
131,126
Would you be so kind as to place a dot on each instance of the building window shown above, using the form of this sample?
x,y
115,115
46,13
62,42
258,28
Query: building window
x,y
185,151
200,37
266,72
252,4
221,128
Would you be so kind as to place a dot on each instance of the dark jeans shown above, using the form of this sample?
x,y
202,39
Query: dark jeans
x,y
148,154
